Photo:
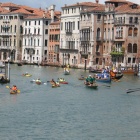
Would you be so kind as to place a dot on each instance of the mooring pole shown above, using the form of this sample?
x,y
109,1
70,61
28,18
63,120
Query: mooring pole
x,y
85,64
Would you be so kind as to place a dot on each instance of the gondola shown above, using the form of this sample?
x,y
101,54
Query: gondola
x,y
116,75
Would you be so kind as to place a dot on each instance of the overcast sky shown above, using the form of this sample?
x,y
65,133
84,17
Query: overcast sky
x,y
58,3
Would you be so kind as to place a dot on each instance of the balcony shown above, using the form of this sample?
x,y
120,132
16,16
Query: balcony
x,y
116,53
98,39
68,32
98,53
5,47
68,50
119,22
119,38
6,34
84,54
85,39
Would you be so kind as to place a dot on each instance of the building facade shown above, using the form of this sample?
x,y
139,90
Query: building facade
x,y
54,43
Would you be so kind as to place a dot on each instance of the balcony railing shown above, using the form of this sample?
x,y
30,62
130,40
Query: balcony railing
x,y
68,32
116,53
98,38
97,53
118,37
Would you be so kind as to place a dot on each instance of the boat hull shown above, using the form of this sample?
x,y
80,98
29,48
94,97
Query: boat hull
x,y
13,92
116,75
103,80
63,82
66,72
94,85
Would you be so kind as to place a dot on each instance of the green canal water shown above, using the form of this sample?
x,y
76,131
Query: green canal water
x,y
70,112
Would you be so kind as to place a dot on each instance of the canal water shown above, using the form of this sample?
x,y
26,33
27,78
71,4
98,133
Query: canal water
x,y
70,112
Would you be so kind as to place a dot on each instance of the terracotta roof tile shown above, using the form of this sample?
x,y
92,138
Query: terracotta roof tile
x,y
2,10
91,4
94,9
21,10
26,7
9,4
126,8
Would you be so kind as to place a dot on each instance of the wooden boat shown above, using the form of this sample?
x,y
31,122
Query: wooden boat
x,y
94,85
19,64
116,75
54,85
38,82
62,81
13,91
102,78
82,78
66,72
129,72
4,81
27,75
95,70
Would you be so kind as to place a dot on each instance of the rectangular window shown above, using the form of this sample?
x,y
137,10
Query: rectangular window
x,y
38,31
35,22
130,19
39,22
46,22
78,25
46,31
38,42
73,25
46,41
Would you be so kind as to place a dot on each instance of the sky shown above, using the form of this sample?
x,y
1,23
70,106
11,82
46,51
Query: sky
x,y
59,3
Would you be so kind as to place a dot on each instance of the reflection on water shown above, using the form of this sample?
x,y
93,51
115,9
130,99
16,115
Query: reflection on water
x,y
70,112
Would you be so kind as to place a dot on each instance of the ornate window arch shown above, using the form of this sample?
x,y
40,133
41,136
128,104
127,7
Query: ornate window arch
x,y
135,48
135,31
129,49
130,31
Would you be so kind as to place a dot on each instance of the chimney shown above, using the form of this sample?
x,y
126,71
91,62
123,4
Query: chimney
x,y
97,1
46,10
52,9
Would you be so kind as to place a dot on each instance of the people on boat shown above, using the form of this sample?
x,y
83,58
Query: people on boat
x,y
26,73
61,79
54,82
2,78
38,80
90,80
14,88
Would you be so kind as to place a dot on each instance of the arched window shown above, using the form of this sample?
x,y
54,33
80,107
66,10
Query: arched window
x,y
135,31
130,31
129,48
134,48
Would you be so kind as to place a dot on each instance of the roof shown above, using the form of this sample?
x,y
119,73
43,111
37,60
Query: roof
x,y
123,1
127,8
9,4
21,10
90,4
95,9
